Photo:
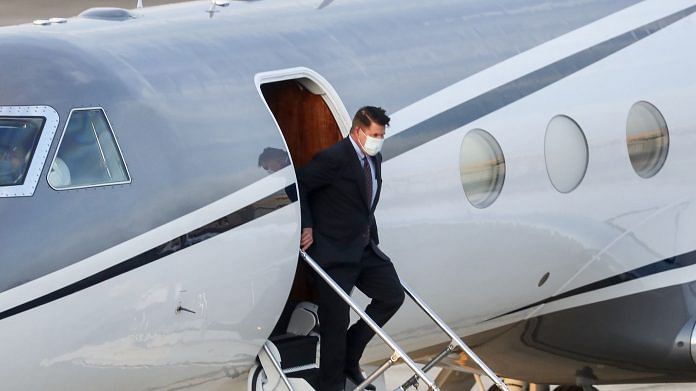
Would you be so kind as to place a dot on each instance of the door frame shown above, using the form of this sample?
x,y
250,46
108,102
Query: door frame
x,y
328,93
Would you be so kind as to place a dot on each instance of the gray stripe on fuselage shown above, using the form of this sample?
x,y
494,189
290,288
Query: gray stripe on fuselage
x,y
520,88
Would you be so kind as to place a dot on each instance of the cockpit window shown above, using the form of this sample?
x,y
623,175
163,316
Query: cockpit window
x,y
26,134
18,140
88,154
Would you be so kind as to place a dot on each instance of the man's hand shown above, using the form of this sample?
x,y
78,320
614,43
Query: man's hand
x,y
306,239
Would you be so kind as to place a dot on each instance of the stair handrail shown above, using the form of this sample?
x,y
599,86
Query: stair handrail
x,y
398,352
455,339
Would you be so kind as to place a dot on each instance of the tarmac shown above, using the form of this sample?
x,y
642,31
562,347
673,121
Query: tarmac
x,y
399,373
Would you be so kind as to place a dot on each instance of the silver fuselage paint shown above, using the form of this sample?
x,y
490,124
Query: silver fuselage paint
x,y
178,88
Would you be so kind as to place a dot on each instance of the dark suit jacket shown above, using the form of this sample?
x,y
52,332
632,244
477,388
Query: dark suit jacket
x,y
334,201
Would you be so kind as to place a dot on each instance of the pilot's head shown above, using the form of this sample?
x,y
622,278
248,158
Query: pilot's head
x,y
11,165
273,159
368,128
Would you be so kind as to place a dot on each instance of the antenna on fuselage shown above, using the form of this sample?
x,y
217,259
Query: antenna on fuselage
x,y
324,4
216,3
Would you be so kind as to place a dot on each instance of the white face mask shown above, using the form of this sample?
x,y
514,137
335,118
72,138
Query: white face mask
x,y
372,144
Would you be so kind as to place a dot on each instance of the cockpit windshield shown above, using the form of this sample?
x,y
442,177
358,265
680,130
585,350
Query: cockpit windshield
x,y
18,140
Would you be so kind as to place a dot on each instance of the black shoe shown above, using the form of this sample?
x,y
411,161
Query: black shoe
x,y
355,376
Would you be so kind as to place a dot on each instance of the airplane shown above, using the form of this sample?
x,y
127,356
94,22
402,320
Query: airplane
x,y
536,193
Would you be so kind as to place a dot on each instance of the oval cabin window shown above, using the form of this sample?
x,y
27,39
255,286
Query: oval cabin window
x,y
482,168
647,138
566,153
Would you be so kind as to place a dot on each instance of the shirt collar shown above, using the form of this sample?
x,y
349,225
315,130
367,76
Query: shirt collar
x,y
358,150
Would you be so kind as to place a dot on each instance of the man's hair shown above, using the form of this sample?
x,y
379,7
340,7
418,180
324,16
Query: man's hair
x,y
368,114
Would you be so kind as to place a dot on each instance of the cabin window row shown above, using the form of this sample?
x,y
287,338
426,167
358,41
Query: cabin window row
x,y
566,152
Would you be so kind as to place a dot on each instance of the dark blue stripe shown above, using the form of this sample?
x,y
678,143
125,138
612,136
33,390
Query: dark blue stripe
x,y
522,87
680,261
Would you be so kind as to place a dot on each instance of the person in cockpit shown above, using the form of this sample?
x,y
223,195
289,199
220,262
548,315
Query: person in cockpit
x,y
12,165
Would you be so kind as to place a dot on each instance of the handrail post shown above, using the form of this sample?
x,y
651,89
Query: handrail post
x,y
371,323
413,381
455,338
374,375
277,367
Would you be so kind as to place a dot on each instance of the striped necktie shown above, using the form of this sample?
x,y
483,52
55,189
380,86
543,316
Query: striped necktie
x,y
368,187
368,180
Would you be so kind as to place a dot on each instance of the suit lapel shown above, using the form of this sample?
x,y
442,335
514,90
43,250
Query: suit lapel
x,y
358,173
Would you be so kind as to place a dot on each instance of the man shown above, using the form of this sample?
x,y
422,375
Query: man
x,y
339,191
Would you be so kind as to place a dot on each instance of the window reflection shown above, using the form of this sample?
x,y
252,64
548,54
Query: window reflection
x,y
249,213
273,159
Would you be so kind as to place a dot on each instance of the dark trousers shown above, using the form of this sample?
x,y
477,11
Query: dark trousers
x,y
342,347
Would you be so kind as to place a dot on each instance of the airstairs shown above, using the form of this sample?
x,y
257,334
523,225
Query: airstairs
x,y
295,368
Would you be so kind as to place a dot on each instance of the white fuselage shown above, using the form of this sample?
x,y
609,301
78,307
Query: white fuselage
x,y
471,265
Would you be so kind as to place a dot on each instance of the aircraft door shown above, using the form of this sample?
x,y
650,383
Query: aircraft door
x,y
310,117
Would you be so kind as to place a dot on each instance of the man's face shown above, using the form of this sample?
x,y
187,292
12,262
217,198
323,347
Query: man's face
x,y
375,130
